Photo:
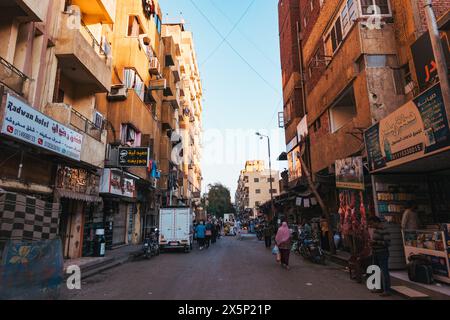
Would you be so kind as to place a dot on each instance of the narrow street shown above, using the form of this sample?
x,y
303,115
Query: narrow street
x,y
229,270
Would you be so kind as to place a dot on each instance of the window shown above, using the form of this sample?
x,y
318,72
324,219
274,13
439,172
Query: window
x,y
317,125
134,27
403,80
258,191
134,81
256,179
287,112
130,136
343,111
371,7
274,191
376,60
158,24
270,180
348,16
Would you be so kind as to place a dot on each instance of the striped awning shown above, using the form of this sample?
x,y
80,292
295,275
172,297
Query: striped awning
x,y
61,193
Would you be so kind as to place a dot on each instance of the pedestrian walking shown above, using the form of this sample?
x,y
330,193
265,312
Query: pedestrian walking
x,y
208,233
379,244
201,230
214,232
268,232
283,242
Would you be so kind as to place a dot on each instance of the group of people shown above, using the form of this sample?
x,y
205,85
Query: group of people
x,y
207,233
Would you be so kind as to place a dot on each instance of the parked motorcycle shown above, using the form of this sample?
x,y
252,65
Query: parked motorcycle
x,y
151,244
310,249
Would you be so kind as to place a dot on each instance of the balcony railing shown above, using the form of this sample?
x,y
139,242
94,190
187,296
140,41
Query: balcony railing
x,y
83,124
102,51
12,77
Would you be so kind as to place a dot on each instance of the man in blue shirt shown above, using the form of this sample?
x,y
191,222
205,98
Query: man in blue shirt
x,y
201,230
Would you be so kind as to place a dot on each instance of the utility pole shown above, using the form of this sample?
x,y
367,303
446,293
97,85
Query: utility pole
x,y
439,55
270,174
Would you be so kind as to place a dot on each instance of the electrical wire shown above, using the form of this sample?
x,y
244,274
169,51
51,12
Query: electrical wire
x,y
232,48
228,34
247,38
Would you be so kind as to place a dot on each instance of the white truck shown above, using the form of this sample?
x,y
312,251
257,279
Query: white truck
x,y
176,230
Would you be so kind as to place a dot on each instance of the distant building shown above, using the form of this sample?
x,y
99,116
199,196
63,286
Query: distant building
x,y
254,187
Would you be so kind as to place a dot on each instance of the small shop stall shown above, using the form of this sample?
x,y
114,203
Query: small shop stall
x,y
409,158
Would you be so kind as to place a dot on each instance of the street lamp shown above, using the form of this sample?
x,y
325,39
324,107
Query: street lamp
x,y
262,136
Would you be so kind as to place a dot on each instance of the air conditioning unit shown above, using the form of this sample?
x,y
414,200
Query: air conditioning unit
x,y
160,84
118,93
155,67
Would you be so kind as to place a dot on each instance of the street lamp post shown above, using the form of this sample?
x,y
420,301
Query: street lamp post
x,y
270,173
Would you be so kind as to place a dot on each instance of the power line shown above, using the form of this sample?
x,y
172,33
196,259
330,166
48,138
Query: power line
x,y
247,38
232,48
229,33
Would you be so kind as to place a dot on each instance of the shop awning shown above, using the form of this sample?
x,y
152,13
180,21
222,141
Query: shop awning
x,y
77,196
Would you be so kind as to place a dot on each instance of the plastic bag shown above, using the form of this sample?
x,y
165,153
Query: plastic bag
x,y
275,250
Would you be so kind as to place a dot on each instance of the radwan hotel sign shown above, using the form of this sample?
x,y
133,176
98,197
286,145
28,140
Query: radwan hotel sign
x,y
27,124
418,128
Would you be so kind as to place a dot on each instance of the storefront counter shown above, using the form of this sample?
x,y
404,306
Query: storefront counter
x,y
433,243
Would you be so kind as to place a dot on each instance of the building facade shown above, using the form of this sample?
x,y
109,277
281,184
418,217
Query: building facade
x,y
84,85
362,65
254,187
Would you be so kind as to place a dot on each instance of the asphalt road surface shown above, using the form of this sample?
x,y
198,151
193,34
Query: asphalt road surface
x,y
231,269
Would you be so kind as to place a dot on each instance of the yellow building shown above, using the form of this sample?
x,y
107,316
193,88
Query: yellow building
x,y
188,99
55,57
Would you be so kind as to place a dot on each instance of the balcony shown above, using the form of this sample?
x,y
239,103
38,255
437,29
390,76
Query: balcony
x,y
25,10
12,77
168,119
171,51
94,138
154,66
97,11
82,58
170,89
134,111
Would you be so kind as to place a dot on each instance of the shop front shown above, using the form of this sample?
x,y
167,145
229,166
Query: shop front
x,y
118,190
77,190
409,157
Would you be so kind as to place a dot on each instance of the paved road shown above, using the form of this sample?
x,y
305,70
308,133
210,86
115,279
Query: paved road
x,y
229,270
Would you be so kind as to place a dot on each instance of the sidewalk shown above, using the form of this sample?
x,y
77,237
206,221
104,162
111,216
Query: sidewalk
x,y
92,265
400,277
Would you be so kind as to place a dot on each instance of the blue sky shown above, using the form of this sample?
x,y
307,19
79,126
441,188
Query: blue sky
x,y
238,100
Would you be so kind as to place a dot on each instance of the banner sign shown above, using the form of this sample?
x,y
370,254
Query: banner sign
x,y
424,60
302,129
27,124
350,173
294,164
418,128
77,180
134,157
117,183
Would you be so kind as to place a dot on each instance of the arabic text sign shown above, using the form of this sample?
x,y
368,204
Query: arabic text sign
x,y
350,173
414,130
134,157
27,124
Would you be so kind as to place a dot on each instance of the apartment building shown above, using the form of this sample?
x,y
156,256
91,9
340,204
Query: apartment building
x,y
188,124
254,187
368,64
54,59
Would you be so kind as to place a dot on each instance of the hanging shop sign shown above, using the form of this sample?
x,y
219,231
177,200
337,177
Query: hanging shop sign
x,y
134,157
117,183
424,60
302,129
413,131
294,164
350,173
27,124
77,180
291,145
